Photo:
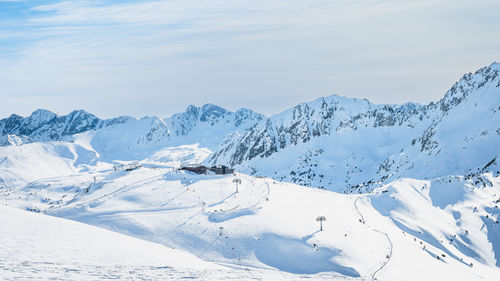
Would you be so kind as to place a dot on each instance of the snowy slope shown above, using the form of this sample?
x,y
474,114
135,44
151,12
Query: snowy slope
x,y
37,239
20,165
271,225
39,247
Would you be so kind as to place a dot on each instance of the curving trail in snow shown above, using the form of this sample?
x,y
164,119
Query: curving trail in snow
x,y
389,256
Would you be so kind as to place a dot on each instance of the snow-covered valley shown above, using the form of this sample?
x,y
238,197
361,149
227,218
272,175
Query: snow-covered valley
x,y
409,192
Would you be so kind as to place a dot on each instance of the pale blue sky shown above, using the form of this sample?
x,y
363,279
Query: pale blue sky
x,y
156,57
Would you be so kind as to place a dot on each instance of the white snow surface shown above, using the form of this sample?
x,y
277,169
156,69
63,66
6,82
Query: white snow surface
x,y
32,242
108,200
40,247
268,229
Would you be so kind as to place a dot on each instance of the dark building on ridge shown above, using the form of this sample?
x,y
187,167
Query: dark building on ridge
x,y
218,170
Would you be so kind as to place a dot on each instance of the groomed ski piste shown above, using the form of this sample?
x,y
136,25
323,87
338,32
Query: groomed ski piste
x,y
149,220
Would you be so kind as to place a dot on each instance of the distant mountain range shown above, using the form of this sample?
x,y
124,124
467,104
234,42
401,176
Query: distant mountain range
x,y
337,143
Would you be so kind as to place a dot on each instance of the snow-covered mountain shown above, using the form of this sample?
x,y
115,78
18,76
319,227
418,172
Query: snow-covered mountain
x,y
428,178
464,134
337,143
43,125
350,145
209,124
205,127
127,138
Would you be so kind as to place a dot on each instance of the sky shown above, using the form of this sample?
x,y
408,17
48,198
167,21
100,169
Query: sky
x,y
144,58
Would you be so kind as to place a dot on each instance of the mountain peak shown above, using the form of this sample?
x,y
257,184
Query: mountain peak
x,y
210,111
212,107
469,84
81,112
245,111
494,65
42,115
14,116
42,111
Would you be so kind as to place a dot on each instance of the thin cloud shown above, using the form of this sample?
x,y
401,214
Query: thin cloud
x,y
156,57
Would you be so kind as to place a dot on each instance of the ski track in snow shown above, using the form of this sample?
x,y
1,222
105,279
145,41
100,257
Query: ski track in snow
x,y
386,260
